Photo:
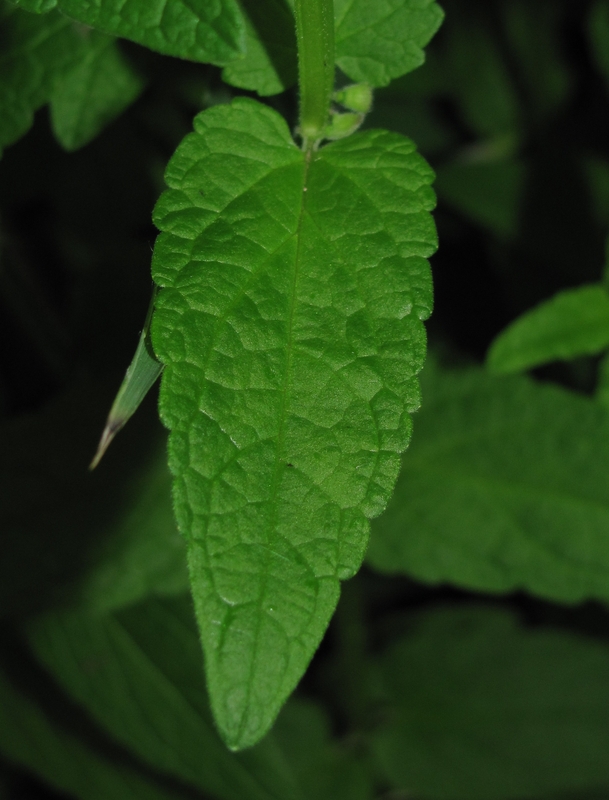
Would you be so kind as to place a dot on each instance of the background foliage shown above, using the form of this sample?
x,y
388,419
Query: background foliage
x,y
470,656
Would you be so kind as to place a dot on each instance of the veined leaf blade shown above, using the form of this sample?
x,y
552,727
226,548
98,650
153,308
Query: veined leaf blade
x,y
289,321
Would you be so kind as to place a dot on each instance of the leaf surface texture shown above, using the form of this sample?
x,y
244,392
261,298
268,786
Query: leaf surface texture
x,y
289,321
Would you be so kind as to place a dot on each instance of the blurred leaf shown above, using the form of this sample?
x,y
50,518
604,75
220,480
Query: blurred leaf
x,y
381,40
60,758
479,78
200,31
504,487
572,323
534,31
92,93
325,770
598,33
602,388
479,708
107,537
269,65
35,52
596,171
489,193
139,673
286,427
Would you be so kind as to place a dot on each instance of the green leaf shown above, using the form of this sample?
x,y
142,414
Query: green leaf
x,y
290,329
147,690
35,52
29,738
504,488
199,30
36,6
480,708
269,64
375,41
572,323
381,40
91,94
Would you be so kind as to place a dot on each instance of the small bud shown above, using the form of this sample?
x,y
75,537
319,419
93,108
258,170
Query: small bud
x,y
357,97
342,125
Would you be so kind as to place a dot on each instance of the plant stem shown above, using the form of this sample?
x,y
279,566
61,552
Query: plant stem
x,y
315,38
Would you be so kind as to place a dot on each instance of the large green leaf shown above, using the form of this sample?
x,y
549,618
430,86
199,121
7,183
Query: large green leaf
x,y
375,41
504,487
290,326
573,323
195,29
479,708
381,40
29,738
93,92
147,689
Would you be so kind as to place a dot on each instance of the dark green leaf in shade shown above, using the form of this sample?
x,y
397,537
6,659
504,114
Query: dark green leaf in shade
x,y
290,325
480,708
199,30
269,64
324,769
103,539
29,738
92,93
573,323
480,79
148,691
35,52
598,32
535,33
602,386
487,192
504,488
381,40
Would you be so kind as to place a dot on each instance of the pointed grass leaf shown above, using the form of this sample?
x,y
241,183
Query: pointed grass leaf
x,y
93,93
572,323
289,323
147,690
504,488
480,708
28,737
141,375
381,40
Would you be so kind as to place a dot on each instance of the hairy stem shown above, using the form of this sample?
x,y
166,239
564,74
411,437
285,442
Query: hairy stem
x,y
315,38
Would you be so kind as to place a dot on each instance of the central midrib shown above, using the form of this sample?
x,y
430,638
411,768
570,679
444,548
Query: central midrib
x,y
278,467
